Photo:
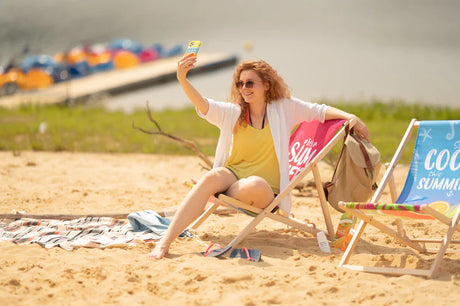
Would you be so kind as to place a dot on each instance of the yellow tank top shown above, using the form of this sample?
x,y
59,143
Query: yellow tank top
x,y
253,153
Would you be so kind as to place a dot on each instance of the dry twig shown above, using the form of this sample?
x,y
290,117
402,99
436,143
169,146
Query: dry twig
x,y
188,143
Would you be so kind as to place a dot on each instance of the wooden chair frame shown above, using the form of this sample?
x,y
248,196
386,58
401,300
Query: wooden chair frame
x,y
399,234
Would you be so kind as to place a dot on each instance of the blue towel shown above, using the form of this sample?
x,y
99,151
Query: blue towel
x,y
150,220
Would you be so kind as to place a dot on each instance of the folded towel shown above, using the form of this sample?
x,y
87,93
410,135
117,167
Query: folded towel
x,y
150,220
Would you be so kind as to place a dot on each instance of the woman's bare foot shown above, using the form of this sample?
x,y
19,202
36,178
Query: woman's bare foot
x,y
159,251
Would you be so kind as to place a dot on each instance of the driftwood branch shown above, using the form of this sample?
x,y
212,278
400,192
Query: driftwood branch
x,y
16,216
61,216
188,143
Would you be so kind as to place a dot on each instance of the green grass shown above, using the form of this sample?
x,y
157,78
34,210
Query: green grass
x,y
93,129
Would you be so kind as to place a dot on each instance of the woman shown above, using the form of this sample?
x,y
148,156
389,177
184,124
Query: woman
x,y
251,160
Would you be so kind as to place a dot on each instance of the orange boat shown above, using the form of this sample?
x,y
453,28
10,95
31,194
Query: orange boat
x,y
35,79
10,81
125,59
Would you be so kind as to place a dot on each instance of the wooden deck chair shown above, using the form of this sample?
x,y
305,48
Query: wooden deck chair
x,y
431,192
309,144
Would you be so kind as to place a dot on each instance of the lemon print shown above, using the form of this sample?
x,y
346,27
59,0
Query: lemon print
x,y
440,206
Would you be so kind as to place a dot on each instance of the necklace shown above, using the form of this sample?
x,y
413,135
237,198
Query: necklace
x,y
263,120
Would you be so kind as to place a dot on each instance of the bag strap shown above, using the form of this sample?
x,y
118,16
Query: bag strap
x,y
347,131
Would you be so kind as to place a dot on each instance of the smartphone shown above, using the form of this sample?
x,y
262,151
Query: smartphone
x,y
193,47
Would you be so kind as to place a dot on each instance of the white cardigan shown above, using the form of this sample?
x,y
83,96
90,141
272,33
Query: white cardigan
x,y
283,115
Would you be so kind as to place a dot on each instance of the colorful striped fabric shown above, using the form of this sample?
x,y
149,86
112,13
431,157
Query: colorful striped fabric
x,y
385,206
406,211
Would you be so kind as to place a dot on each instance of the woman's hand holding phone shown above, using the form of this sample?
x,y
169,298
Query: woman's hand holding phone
x,y
187,62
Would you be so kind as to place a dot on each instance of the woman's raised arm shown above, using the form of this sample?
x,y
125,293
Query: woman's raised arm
x,y
184,65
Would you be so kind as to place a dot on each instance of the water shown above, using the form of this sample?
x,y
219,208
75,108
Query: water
x,y
350,50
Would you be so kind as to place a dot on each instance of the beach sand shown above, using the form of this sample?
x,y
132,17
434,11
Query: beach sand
x,y
293,270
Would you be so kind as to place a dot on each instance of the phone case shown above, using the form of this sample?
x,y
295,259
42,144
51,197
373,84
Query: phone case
x,y
193,47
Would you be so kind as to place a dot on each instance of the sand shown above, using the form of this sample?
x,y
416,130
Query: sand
x,y
293,270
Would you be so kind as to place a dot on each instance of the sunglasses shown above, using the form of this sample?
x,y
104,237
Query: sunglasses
x,y
248,84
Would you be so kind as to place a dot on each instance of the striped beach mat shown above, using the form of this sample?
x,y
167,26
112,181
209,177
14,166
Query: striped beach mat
x,y
94,232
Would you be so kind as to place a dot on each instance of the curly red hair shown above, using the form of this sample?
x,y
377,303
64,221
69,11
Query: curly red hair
x,y
278,89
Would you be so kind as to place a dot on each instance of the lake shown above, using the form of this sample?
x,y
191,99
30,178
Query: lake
x,y
353,50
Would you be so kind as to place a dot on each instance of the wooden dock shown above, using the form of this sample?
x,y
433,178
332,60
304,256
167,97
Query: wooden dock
x,y
115,81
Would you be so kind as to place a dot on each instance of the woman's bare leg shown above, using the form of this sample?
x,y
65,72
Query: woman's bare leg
x,y
216,180
253,190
